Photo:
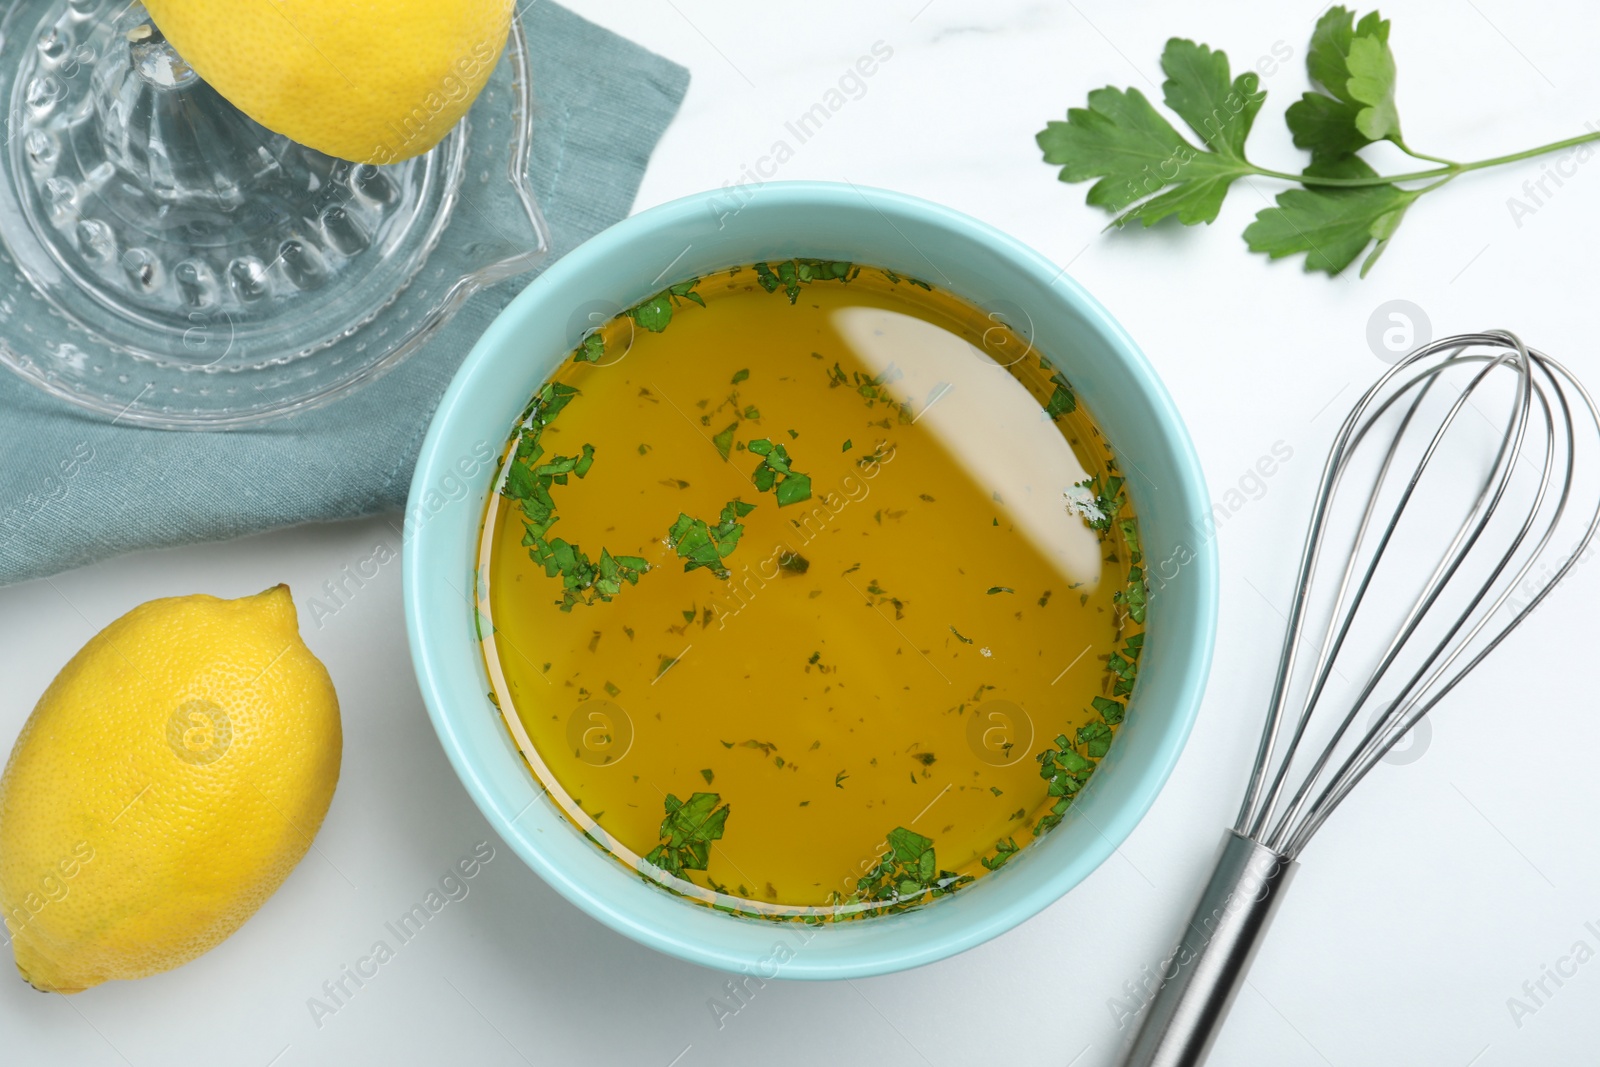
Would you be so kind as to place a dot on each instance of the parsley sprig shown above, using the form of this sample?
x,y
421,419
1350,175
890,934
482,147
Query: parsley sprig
x,y
1144,170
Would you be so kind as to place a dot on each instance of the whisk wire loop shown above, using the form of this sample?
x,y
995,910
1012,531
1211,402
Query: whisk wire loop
x,y
1542,408
1467,535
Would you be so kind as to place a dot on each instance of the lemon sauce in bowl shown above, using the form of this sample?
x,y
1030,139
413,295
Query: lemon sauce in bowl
x,y
810,590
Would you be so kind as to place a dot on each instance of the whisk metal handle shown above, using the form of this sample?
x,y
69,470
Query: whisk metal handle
x,y
1206,969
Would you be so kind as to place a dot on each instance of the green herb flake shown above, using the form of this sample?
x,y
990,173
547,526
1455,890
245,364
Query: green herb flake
x,y
1096,739
653,314
1062,399
723,440
793,489
1110,710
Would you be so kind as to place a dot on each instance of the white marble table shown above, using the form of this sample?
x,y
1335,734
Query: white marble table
x,y
1444,885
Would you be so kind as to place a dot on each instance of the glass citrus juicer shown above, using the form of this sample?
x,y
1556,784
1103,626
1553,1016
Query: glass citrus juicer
x,y
166,261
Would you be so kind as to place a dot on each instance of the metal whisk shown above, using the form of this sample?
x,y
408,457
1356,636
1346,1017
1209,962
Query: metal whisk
x,y
1424,436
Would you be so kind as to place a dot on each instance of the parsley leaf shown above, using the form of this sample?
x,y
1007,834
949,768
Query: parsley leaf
x,y
907,873
1066,771
1110,710
1332,226
1003,851
1096,739
794,488
529,482
1067,765
1372,84
1354,67
687,832
700,544
774,472
1062,400
653,313
1146,169
1136,596
1197,88
791,273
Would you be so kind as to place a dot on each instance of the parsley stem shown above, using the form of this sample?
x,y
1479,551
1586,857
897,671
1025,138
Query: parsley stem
x,y
1450,170
1414,154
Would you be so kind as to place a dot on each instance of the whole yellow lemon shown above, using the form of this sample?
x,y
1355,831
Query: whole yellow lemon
x,y
363,81
165,785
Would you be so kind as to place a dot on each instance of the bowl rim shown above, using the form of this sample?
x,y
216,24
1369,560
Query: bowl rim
x,y
595,253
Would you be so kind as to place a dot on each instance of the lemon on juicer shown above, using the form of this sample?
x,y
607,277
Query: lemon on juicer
x,y
167,782
364,81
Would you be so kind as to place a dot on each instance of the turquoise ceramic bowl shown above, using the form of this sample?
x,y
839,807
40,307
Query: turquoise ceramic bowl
x,y
642,255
